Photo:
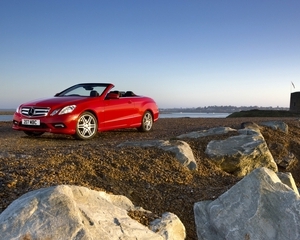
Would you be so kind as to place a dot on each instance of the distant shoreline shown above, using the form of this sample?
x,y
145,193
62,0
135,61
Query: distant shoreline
x,y
7,112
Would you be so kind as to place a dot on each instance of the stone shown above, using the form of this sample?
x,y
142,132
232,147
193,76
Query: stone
x,y
72,212
288,161
209,132
284,159
276,125
250,125
288,179
240,155
181,149
259,206
169,225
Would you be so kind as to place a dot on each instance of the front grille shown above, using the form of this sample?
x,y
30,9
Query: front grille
x,y
34,111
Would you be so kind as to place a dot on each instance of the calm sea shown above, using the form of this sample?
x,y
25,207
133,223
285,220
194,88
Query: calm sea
x,y
193,115
4,118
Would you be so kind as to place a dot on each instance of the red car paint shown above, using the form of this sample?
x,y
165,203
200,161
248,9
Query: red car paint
x,y
88,112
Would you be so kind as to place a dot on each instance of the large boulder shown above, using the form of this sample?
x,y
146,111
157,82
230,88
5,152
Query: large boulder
x,y
208,132
276,125
240,155
72,212
260,206
181,149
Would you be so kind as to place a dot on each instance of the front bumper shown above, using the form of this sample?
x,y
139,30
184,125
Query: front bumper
x,y
61,124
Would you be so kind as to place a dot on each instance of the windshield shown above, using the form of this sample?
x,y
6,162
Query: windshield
x,y
84,90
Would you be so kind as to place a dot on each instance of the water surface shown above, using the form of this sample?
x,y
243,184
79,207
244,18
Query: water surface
x,y
4,118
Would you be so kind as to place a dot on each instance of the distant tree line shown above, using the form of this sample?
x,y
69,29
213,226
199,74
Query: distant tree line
x,y
220,109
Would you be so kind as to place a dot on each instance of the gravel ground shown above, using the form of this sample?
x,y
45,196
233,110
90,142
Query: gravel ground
x,y
149,177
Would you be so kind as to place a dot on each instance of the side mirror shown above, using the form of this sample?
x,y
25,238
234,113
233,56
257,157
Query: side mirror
x,y
112,95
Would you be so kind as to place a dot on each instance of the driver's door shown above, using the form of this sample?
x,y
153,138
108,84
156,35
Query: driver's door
x,y
118,112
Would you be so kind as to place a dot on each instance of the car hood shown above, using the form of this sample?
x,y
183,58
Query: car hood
x,y
55,101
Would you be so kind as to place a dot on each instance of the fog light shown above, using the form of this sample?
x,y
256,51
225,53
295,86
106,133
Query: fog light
x,y
58,125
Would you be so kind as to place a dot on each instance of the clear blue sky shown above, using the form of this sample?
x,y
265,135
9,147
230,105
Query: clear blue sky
x,y
193,53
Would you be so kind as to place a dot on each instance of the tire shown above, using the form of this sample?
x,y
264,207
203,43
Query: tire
x,y
33,134
147,122
86,126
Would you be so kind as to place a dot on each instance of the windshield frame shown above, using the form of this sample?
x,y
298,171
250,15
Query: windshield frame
x,y
84,89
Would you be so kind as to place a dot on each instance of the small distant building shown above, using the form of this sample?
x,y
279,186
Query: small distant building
x,y
295,102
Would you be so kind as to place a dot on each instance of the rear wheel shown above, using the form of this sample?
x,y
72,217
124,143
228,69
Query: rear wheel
x,y
33,134
86,127
147,122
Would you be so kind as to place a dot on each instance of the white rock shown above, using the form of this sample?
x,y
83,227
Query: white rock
x,y
71,212
169,226
182,150
208,132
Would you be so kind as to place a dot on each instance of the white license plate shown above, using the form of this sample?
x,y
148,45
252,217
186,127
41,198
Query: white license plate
x,y
31,122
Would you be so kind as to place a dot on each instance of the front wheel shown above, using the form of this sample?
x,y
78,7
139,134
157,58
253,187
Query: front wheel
x,y
147,122
33,134
86,127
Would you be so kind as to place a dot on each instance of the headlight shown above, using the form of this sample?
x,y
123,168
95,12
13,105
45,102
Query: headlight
x,y
65,110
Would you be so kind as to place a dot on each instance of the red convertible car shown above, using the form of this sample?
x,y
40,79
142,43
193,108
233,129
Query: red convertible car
x,y
85,109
